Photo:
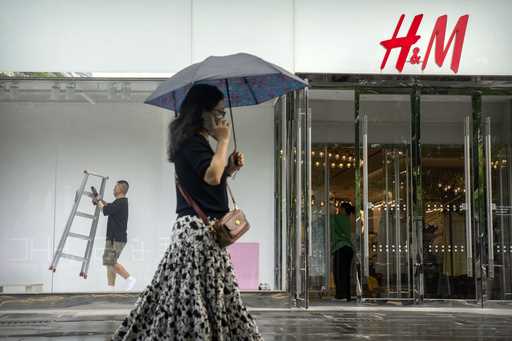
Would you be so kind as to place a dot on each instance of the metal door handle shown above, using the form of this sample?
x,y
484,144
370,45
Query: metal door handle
x,y
467,183
366,268
488,180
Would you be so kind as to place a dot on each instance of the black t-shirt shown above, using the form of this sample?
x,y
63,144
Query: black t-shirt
x,y
117,223
191,161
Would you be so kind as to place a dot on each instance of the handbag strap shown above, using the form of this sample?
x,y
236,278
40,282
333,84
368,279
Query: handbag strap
x,y
192,203
235,206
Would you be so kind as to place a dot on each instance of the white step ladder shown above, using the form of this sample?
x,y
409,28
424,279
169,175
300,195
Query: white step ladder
x,y
92,233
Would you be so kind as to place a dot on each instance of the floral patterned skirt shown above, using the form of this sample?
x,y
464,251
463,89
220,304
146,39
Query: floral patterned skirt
x,y
193,295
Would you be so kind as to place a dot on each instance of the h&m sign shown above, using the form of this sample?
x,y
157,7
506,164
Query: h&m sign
x,y
437,42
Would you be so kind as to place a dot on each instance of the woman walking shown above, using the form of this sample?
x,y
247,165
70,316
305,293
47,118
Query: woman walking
x,y
194,294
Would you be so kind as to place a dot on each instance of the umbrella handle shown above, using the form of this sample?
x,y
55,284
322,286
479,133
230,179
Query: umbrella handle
x,y
231,114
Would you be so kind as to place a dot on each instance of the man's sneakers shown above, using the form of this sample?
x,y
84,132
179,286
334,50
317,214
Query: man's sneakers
x,y
130,283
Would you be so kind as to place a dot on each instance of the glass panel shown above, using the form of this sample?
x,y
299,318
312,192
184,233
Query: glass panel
x,y
332,178
305,146
341,165
280,142
498,110
299,198
445,164
333,185
319,268
388,195
291,195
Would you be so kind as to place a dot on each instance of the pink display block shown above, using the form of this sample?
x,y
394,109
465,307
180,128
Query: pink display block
x,y
246,261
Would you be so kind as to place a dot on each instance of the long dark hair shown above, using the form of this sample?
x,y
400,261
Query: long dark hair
x,y
348,208
200,98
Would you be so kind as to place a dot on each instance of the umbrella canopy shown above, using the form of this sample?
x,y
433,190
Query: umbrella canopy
x,y
243,78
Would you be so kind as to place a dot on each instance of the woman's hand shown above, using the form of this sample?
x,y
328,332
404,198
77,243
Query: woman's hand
x,y
236,161
239,159
220,131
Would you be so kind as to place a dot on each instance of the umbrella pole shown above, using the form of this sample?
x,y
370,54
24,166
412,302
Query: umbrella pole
x,y
231,113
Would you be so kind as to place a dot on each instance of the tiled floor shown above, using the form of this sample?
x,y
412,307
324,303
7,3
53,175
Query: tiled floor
x,y
72,317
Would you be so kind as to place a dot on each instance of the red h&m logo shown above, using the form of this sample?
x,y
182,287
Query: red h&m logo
x,y
438,35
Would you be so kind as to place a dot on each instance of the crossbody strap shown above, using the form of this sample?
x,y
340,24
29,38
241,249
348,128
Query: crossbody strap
x,y
235,206
192,203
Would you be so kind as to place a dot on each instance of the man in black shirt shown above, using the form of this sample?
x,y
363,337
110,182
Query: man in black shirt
x,y
117,213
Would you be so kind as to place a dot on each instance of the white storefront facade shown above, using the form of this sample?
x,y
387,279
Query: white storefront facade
x,y
402,88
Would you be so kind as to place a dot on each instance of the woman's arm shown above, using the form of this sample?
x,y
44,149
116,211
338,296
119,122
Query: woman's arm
x,y
213,174
220,132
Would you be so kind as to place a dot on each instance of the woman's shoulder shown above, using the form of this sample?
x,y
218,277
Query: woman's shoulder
x,y
197,138
195,147
194,142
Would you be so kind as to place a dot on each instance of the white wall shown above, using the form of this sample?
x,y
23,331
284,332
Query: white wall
x,y
328,36
344,36
115,36
44,147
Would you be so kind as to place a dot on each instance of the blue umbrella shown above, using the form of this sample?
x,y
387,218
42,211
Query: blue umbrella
x,y
243,78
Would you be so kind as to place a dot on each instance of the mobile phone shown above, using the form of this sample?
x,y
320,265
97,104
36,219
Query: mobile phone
x,y
208,122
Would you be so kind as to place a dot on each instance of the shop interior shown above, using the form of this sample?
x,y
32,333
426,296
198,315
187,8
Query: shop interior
x,y
386,130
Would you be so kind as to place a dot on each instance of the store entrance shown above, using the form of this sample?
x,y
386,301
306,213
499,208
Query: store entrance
x,y
384,134
428,175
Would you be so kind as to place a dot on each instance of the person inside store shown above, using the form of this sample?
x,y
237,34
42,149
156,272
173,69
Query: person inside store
x,y
342,250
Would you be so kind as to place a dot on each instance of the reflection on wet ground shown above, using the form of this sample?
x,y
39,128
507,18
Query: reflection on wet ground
x,y
95,316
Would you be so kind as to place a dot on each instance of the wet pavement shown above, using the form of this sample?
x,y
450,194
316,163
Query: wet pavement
x,y
95,317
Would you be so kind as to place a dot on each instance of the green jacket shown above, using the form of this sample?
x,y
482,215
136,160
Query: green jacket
x,y
341,232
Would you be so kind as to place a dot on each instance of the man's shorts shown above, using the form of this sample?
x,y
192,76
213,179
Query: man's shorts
x,y
112,252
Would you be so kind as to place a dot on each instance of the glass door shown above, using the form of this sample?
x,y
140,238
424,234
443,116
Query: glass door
x,y
497,131
433,198
383,224
319,270
448,179
332,178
